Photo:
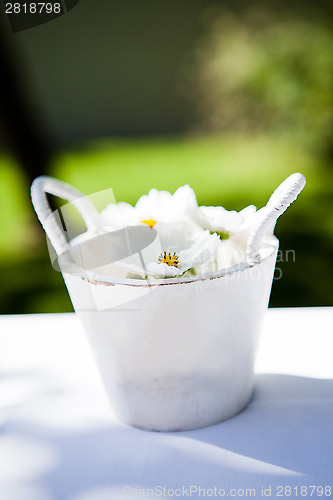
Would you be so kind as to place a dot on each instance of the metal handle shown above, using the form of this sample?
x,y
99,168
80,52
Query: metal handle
x,y
278,203
50,220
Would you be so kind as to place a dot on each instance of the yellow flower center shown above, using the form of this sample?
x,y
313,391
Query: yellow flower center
x,y
169,259
150,222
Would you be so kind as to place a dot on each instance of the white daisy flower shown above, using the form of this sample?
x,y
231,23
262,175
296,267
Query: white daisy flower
x,y
175,250
224,222
156,206
233,228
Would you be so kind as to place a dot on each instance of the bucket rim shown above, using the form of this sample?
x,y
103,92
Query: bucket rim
x,y
68,266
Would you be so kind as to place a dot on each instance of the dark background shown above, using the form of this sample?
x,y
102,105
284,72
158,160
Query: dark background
x,y
227,97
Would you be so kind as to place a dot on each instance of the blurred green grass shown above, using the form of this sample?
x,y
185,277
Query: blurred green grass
x,y
230,170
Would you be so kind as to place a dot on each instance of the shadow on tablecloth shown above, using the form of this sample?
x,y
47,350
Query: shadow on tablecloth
x,y
76,452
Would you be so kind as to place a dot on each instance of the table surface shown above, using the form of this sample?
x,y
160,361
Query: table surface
x,y
60,440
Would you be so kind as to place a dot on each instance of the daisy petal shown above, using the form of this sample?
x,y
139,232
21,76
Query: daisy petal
x,y
118,215
163,270
203,248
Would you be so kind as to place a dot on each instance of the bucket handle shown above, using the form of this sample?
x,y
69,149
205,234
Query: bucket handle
x,y
278,203
49,219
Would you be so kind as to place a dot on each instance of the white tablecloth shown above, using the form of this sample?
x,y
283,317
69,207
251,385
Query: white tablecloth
x,y
59,439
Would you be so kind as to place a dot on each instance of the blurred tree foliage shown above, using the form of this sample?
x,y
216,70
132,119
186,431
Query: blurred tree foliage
x,y
260,69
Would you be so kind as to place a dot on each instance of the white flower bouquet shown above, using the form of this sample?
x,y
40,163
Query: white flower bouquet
x,y
190,239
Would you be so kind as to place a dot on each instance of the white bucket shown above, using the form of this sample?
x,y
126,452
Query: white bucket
x,y
175,354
